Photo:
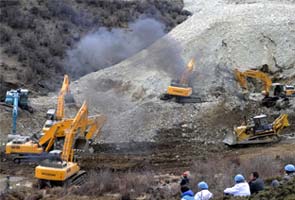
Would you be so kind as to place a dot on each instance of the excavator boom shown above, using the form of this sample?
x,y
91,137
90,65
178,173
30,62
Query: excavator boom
x,y
241,78
79,125
60,101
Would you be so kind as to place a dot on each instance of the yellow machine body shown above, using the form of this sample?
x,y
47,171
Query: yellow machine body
x,y
67,170
179,91
290,92
28,147
58,130
250,134
64,170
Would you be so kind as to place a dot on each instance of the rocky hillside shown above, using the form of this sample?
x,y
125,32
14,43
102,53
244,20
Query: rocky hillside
x,y
221,36
35,35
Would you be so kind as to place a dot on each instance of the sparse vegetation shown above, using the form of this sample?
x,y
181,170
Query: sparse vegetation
x,y
130,185
39,32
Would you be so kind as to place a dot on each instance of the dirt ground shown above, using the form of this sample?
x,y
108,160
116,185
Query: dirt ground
x,y
166,159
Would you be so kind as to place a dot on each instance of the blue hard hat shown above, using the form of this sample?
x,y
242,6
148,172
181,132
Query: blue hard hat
x,y
289,168
239,178
203,185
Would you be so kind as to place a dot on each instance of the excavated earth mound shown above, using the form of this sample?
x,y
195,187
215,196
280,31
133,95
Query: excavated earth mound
x,y
221,36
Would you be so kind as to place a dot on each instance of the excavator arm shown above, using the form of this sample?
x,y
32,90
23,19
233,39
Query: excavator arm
x,y
79,125
93,125
60,101
56,130
280,123
241,78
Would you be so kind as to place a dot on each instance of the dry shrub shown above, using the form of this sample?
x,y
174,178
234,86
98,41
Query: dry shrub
x,y
127,184
266,166
286,159
21,193
6,34
217,173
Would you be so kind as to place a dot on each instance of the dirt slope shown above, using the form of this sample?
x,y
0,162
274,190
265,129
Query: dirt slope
x,y
220,37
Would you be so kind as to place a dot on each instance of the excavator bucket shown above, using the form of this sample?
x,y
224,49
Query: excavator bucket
x,y
230,139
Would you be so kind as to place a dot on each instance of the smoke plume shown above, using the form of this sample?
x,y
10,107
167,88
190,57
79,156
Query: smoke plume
x,y
166,56
105,48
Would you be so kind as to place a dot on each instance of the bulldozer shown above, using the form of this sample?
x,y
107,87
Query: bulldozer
x,y
63,171
180,90
274,93
258,131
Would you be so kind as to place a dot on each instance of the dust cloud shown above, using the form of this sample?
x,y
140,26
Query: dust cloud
x,y
104,48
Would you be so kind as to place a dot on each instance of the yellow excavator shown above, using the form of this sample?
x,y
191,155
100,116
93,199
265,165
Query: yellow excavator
x,y
26,148
180,90
272,91
54,115
258,131
63,171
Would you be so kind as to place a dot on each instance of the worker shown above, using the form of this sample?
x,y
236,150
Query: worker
x,y
186,193
185,178
290,172
204,193
241,188
289,175
256,184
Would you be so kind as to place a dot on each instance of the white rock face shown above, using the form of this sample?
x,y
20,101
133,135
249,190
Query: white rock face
x,y
220,35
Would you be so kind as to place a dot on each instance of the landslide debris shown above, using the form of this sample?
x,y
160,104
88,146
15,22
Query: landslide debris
x,y
220,37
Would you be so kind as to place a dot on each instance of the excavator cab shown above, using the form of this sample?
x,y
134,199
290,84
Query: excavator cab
x,y
50,115
50,118
278,90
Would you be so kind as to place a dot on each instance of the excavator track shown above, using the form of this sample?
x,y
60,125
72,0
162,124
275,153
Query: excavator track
x,y
77,179
261,140
190,99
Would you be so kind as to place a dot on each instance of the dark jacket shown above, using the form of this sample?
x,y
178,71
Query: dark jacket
x,y
184,181
188,195
256,185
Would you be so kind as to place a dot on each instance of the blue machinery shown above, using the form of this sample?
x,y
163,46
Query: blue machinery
x,y
17,98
